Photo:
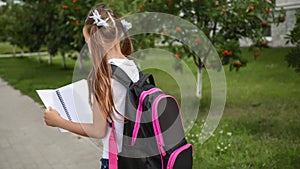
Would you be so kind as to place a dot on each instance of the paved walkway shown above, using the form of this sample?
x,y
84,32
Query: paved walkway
x,y
27,143
23,54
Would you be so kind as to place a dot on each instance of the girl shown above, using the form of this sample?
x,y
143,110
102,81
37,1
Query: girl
x,y
102,32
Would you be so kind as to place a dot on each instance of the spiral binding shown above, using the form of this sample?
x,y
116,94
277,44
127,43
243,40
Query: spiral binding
x,y
63,104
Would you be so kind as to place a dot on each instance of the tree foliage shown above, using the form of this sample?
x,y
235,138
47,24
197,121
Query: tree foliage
x,y
58,24
293,57
66,28
12,18
224,22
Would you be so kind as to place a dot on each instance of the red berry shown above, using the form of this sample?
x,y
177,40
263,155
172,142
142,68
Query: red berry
x,y
171,3
264,24
217,4
77,8
178,29
225,52
256,54
251,8
142,6
264,43
77,23
224,11
207,66
198,41
65,7
268,10
178,56
237,64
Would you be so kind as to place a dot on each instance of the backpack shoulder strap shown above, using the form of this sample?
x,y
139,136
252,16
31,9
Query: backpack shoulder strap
x,y
113,149
119,75
122,77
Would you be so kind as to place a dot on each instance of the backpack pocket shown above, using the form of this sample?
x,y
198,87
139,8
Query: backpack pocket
x,y
181,158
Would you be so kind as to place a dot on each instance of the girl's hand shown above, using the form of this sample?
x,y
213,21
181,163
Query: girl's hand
x,y
52,117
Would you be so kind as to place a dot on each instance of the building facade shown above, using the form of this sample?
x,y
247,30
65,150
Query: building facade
x,y
278,33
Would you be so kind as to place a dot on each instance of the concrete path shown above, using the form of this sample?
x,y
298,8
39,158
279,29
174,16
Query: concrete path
x,y
23,54
27,143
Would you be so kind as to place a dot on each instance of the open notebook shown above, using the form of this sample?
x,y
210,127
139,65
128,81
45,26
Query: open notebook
x,y
71,102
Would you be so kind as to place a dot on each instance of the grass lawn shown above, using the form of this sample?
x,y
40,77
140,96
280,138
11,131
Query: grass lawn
x,y
6,48
27,74
260,127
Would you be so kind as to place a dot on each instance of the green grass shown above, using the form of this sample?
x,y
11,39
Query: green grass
x,y
7,48
263,115
28,75
260,125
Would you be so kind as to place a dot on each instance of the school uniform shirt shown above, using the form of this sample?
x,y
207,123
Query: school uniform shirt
x,y
119,95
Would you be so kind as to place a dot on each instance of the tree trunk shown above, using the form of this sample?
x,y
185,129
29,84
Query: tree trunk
x,y
50,59
22,52
14,50
64,64
39,57
199,82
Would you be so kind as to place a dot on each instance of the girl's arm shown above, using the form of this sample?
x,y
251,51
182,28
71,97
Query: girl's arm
x,y
97,129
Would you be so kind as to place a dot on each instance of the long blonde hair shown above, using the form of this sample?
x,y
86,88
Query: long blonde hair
x,y
101,40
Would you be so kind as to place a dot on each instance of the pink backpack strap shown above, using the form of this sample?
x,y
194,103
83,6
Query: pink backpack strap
x,y
113,150
156,125
139,111
157,130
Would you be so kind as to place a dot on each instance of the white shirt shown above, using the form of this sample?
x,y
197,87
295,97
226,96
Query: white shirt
x,y
119,95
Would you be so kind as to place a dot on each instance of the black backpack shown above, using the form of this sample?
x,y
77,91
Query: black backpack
x,y
153,136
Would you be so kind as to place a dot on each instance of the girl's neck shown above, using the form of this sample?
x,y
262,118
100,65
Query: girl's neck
x,y
115,52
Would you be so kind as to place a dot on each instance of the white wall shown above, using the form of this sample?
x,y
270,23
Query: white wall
x,y
280,32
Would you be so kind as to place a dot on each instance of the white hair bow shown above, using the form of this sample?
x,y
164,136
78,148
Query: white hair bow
x,y
126,25
101,22
97,19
